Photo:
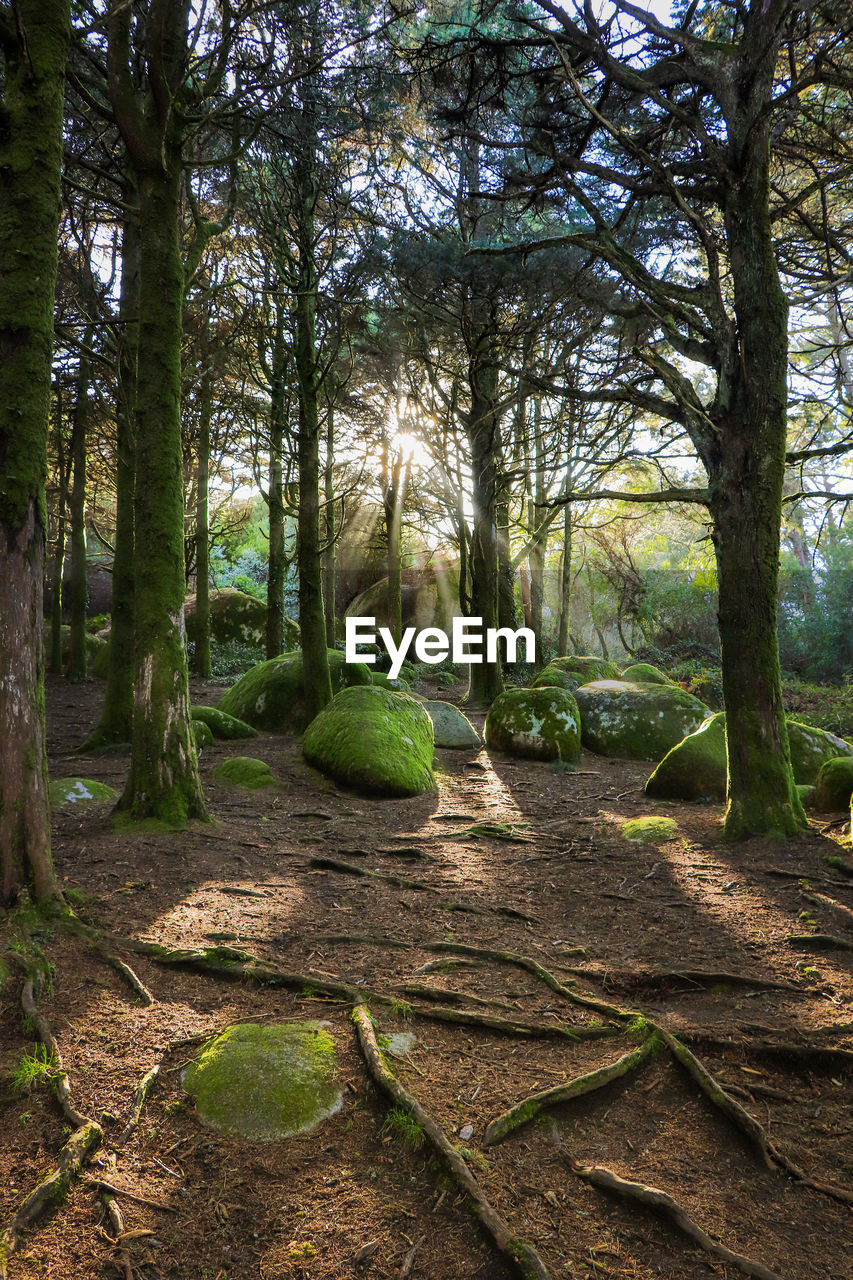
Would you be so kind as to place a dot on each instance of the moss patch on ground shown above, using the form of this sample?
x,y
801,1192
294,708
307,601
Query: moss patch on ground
x,y
80,791
650,830
266,1082
245,771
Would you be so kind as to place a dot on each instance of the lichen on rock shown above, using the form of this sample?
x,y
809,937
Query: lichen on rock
x,y
234,615
636,721
587,666
245,771
651,829
374,740
202,734
272,694
266,1082
80,791
811,748
450,727
538,724
554,677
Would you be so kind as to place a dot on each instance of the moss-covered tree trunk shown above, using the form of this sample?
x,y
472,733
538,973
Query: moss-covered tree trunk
x,y
329,514
116,719
77,518
275,492
35,44
746,473
202,517
55,661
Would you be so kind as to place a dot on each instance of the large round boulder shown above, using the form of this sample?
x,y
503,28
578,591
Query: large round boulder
x,y
266,1082
645,673
834,786
450,727
553,677
234,615
374,740
429,598
636,721
540,724
586,667
695,769
272,694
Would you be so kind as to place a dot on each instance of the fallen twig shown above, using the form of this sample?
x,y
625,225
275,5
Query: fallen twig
x,y
146,1084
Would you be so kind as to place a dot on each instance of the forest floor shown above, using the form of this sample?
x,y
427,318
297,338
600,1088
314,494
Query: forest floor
x,y
694,934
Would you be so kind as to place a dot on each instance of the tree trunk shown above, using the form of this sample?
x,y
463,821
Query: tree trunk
x,y
275,496
202,520
329,549
163,782
30,161
485,680
394,490
55,663
565,581
116,720
77,518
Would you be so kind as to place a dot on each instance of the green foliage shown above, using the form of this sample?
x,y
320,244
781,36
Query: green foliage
x,y
404,1126
37,1067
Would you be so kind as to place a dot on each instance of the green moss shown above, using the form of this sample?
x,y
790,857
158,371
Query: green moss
x,y
384,681
266,1082
812,747
374,740
540,724
202,734
834,786
80,791
553,676
245,771
636,721
695,769
587,667
808,796
645,673
650,830
404,1126
234,616
272,694
223,726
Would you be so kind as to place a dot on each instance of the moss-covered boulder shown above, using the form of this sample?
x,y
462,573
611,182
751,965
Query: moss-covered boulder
x,y
80,791
645,673
636,721
587,667
202,734
245,771
808,797
834,786
223,726
538,724
374,740
384,681
429,599
450,727
811,748
554,677
97,649
695,768
272,694
266,1082
234,615
652,829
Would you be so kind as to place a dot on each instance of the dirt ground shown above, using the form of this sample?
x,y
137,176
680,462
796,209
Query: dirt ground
x,y
693,933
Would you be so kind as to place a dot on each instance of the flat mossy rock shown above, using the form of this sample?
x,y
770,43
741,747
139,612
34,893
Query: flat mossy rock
x,y
202,734
834,786
811,748
80,791
266,1082
245,771
587,667
234,615
538,724
272,694
553,677
450,727
374,740
384,681
636,721
650,830
223,726
645,673
695,768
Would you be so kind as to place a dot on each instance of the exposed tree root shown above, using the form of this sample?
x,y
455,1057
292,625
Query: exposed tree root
x,y
812,1055
79,1148
53,1190
132,980
101,1186
819,942
841,914
660,1202
146,1084
631,979
527,1260
353,869
117,1223
530,1107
